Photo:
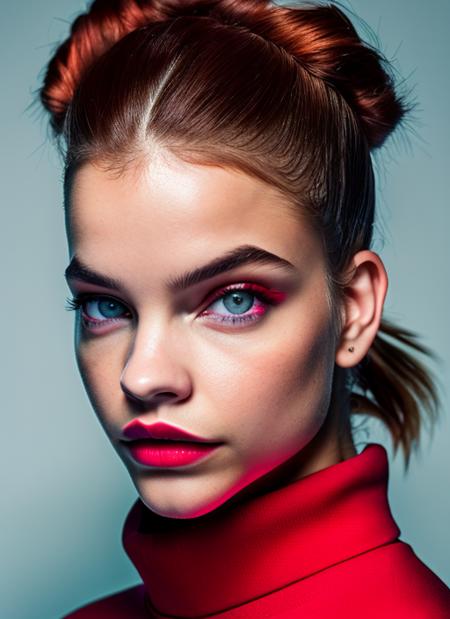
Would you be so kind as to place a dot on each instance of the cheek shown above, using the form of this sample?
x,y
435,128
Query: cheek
x,y
296,385
275,387
100,371
299,368
306,383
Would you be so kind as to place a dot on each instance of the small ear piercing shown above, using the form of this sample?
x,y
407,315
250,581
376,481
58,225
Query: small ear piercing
x,y
351,349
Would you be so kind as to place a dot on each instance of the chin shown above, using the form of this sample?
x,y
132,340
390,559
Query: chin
x,y
183,497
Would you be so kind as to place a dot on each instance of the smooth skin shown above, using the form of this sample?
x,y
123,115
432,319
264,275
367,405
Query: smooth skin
x,y
263,387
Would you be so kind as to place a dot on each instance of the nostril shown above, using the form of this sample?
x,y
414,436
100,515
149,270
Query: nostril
x,y
145,401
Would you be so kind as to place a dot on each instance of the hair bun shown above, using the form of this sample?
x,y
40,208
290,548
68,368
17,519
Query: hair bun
x,y
324,41
91,35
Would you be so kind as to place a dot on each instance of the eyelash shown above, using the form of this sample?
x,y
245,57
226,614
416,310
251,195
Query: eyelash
x,y
267,297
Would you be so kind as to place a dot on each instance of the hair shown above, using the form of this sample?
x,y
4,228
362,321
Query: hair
x,y
288,95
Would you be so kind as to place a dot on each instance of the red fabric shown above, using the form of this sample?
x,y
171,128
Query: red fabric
x,y
324,546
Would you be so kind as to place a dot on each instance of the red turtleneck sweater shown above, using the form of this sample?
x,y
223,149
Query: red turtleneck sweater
x,y
324,546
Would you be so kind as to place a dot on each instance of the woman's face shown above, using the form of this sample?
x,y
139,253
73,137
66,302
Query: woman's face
x,y
251,368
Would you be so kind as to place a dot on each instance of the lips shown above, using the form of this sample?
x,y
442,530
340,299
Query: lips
x,y
136,430
162,445
169,454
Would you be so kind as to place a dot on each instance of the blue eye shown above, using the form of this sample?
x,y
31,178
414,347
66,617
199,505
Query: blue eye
x,y
98,310
238,302
108,308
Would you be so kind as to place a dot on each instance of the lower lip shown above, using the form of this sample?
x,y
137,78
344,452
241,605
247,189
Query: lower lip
x,y
169,453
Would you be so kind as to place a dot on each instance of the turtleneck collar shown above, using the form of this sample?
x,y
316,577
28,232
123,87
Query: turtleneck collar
x,y
200,566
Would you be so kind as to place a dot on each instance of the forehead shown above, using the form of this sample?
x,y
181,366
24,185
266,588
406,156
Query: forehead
x,y
169,210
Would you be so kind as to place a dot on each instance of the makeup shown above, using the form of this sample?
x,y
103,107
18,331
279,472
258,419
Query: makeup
x,y
164,445
165,453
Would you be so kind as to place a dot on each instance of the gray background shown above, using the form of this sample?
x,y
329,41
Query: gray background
x,y
65,493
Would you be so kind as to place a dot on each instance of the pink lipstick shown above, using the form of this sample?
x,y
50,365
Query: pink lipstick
x,y
163,445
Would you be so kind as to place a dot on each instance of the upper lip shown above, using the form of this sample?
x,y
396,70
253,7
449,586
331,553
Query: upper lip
x,y
136,429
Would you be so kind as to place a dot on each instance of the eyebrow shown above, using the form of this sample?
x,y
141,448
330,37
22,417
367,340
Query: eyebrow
x,y
244,254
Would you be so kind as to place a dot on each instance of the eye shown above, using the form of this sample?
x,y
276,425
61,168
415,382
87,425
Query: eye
x,y
244,303
98,310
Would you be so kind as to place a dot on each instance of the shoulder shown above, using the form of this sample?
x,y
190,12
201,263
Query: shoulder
x,y
387,581
123,604
394,579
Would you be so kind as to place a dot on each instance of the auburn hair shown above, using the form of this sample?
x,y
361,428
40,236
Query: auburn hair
x,y
290,95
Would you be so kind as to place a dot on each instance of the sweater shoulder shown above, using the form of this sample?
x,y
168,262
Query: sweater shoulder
x,y
387,581
414,587
120,605
390,580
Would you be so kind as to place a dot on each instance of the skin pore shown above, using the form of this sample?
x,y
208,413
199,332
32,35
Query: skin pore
x,y
154,352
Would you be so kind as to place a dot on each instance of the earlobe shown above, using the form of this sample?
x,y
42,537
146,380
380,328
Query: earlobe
x,y
364,296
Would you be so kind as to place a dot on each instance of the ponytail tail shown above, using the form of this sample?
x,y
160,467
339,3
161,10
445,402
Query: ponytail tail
x,y
394,387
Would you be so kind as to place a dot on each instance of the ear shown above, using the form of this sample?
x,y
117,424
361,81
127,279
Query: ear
x,y
364,296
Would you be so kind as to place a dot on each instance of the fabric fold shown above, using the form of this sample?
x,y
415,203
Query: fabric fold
x,y
227,558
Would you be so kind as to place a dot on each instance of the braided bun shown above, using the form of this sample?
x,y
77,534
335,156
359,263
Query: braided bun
x,y
320,38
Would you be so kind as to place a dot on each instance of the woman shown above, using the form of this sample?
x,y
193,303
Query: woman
x,y
219,198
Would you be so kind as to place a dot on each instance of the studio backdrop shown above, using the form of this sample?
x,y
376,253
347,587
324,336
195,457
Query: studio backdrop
x,y
65,493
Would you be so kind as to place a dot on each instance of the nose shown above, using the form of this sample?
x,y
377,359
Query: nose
x,y
155,370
